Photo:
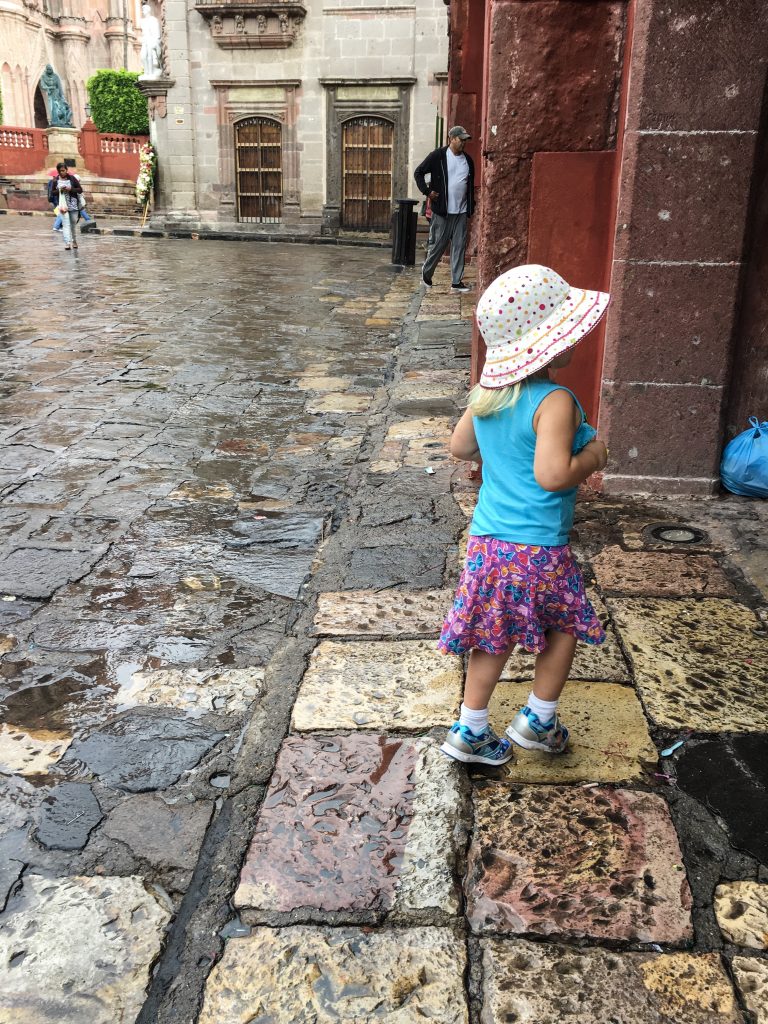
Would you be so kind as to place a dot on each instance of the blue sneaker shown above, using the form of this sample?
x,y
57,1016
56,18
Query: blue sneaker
x,y
483,748
527,730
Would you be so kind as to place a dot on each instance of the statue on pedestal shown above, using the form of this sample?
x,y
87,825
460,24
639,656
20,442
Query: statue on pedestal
x,y
151,45
59,111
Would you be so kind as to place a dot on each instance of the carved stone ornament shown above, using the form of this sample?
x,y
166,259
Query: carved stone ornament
x,y
249,24
156,91
158,106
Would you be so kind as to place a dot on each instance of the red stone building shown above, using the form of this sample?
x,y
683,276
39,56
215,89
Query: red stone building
x,y
623,142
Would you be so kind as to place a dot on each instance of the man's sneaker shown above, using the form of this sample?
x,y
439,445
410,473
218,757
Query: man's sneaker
x,y
483,748
460,287
426,281
527,730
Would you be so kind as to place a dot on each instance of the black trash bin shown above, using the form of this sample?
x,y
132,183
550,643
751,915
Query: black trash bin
x,y
404,222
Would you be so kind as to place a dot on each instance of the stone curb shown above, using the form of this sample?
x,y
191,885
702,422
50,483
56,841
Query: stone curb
x,y
219,236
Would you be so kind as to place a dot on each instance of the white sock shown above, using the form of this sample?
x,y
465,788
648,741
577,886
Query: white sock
x,y
543,709
474,720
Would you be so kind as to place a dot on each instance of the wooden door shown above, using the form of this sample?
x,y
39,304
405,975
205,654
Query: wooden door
x,y
259,164
367,174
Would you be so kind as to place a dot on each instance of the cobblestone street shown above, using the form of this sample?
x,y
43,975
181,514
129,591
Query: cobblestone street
x,y
230,531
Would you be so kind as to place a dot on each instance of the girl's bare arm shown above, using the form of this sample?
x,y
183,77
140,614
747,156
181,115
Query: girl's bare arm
x,y
463,440
554,466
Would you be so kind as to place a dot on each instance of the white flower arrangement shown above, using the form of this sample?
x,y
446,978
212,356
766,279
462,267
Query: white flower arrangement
x,y
146,174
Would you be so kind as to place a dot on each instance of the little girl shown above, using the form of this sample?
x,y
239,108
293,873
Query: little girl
x,y
520,584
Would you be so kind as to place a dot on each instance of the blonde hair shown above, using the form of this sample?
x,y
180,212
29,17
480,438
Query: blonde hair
x,y
487,401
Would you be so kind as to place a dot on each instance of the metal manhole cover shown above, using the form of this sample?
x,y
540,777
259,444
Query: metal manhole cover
x,y
677,534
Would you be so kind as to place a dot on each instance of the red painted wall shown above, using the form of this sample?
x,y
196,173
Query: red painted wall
x,y
552,82
571,228
22,150
110,155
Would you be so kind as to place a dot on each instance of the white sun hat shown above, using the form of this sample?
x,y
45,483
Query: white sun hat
x,y
527,317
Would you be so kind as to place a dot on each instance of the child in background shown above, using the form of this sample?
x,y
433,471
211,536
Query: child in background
x,y
520,585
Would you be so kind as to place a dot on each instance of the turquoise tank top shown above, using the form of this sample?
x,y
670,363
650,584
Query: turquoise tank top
x,y
511,506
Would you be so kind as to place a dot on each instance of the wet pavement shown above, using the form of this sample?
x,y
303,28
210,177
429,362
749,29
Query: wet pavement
x,y
230,528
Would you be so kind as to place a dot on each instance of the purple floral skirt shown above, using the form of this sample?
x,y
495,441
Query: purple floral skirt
x,y
511,594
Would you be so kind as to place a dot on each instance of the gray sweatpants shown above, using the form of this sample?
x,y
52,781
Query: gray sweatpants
x,y
445,231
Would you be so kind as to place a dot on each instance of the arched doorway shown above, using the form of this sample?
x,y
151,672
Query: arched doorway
x,y
366,174
41,114
259,170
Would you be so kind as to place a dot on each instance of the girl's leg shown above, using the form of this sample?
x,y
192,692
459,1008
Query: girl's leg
x,y
479,745
73,227
66,227
536,726
553,666
483,674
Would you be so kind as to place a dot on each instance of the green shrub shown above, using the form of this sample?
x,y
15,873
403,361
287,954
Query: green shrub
x,y
116,103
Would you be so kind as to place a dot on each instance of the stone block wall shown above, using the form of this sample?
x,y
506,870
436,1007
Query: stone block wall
x,y
698,72
554,68
366,44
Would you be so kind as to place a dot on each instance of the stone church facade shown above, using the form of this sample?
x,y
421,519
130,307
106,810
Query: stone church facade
x,y
76,37
295,117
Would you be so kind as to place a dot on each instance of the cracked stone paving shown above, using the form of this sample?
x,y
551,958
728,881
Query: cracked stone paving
x,y
230,529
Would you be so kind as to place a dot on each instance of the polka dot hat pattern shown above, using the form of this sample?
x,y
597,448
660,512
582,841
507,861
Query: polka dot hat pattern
x,y
527,317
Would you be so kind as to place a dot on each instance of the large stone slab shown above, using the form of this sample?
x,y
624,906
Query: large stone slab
x,y
32,751
741,909
657,574
139,752
339,402
556,860
548,984
170,835
752,979
417,443
382,613
359,823
729,775
328,975
399,684
609,735
194,691
68,815
40,572
697,664
78,950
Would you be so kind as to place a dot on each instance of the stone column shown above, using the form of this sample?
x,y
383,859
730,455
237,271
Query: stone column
x,y
115,37
173,133
696,86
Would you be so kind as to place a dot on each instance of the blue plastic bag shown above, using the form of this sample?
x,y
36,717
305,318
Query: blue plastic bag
x,y
744,469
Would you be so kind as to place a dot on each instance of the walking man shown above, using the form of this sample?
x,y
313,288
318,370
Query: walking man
x,y
451,190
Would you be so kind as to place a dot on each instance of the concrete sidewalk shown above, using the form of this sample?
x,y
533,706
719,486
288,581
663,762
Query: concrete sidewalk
x,y
231,530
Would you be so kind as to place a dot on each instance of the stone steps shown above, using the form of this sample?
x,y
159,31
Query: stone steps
x,y
105,195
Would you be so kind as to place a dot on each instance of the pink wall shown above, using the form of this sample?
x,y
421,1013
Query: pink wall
x,y
22,150
110,155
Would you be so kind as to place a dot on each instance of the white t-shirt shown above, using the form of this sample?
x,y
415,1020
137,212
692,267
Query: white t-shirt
x,y
458,175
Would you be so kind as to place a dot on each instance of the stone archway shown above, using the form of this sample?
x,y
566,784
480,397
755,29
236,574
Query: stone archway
x,y
40,109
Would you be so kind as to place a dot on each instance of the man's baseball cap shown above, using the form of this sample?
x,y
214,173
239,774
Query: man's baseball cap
x,y
458,132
